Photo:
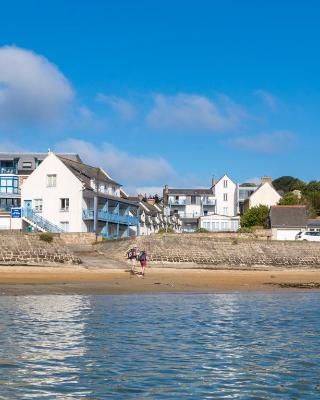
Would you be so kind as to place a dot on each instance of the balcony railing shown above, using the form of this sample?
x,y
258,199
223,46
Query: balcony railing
x,y
88,214
8,170
177,202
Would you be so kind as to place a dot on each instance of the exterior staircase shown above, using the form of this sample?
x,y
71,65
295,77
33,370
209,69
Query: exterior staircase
x,y
41,224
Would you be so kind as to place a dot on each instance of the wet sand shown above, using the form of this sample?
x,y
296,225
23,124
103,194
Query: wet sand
x,y
79,280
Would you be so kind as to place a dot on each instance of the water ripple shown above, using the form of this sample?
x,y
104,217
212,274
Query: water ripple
x,y
223,346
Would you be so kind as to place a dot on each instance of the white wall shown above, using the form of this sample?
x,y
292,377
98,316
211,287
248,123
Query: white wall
x,y
68,186
231,191
219,223
265,195
285,234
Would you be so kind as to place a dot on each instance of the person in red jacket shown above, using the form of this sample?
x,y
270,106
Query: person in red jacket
x,y
143,260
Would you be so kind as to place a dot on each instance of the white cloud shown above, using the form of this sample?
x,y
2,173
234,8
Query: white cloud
x,y
122,166
270,100
267,143
194,112
32,90
123,107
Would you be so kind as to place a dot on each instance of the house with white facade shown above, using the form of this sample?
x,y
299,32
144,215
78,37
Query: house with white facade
x,y
14,170
192,204
64,195
287,221
265,195
153,217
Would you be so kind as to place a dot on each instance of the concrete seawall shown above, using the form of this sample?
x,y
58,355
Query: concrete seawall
x,y
208,251
27,249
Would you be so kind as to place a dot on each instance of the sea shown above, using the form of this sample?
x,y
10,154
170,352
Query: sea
x,y
161,346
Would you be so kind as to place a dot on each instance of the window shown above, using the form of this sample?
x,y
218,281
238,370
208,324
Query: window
x,y
205,212
175,211
38,205
52,180
225,210
27,164
225,196
65,226
64,204
177,198
9,185
225,183
193,200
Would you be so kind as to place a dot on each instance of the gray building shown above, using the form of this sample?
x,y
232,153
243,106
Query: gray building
x,y
14,169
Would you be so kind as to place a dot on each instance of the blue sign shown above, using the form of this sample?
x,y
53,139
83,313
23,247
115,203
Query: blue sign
x,y
15,212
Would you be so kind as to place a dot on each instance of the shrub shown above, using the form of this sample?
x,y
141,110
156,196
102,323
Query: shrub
x,y
163,230
46,237
202,230
255,216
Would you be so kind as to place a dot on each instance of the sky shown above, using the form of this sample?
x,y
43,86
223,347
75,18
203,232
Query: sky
x,y
165,92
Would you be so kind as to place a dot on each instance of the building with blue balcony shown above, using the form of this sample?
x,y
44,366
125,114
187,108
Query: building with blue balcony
x,y
14,169
64,195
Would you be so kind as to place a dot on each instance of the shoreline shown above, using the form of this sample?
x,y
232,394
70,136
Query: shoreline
x,y
29,280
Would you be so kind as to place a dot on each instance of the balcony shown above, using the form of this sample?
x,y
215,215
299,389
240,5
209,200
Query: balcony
x,y
107,216
208,202
8,170
177,202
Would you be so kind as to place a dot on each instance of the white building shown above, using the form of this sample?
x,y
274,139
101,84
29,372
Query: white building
x,y
265,195
191,204
287,221
153,217
67,195
215,223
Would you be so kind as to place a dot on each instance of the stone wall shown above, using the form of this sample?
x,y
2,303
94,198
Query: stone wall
x,y
210,251
79,238
18,248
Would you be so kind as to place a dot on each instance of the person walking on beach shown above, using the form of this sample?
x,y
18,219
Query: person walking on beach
x,y
132,255
143,260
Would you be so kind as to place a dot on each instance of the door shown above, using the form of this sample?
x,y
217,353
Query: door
x,y
27,205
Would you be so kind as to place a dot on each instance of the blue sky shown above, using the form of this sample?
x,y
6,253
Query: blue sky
x,y
164,91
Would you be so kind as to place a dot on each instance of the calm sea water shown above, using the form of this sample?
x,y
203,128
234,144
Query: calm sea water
x,y
215,346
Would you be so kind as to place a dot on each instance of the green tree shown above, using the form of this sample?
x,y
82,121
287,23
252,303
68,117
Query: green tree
x,y
288,184
290,199
255,216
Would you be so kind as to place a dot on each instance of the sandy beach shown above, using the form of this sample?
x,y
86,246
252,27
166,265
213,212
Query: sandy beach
x,y
79,280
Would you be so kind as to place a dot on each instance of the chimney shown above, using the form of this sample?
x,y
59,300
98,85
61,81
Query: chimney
x,y
140,197
266,179
213,180
151,201
166,189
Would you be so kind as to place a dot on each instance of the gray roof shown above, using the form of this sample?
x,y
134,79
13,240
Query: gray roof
x,y
85,173
288,216
190,192
313,223
40,156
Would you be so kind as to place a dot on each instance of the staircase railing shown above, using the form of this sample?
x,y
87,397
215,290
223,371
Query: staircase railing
x,y
40,221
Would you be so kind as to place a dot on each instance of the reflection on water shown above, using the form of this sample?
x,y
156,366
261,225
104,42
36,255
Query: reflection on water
x,y
231,346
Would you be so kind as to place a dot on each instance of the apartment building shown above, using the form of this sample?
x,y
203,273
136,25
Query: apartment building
x,y
64,195
191,204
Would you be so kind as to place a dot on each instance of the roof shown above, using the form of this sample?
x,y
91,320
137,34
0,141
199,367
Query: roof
x,y
190,192
313,223
85,173
288,216
40,156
